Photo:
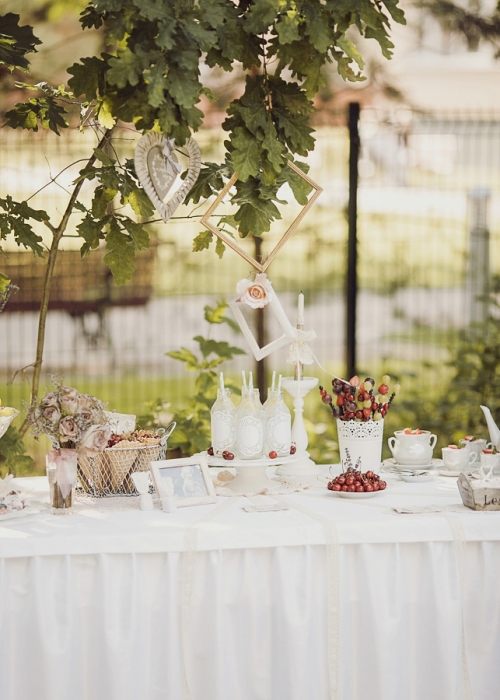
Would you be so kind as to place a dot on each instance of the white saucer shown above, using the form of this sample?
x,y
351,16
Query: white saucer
x,y
412,479
391,462
450,472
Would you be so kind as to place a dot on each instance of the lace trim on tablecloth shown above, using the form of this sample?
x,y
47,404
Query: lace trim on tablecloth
x,y
286,486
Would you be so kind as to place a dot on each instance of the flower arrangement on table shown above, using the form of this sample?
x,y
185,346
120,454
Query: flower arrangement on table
x,y
71,420
77,425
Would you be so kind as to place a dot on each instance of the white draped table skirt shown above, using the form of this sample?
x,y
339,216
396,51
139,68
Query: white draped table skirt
x,y
338,619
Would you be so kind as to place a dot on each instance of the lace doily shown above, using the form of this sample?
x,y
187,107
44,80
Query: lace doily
x,y
286,486
369,431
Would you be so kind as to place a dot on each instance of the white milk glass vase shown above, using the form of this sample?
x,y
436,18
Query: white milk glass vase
x,y
250,426
223,423
278,425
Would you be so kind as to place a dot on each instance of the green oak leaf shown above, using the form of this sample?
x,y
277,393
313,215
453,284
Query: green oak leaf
x,y
351,51
125,69
102,197
87,77
202,241
219,248
15,42
287,27
209,180
275,149
245,154
262,13
157,84
92,231
300,188
138,234
120,254
140,202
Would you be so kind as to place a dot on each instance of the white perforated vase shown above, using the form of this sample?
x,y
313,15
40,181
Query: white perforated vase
x,y
361,441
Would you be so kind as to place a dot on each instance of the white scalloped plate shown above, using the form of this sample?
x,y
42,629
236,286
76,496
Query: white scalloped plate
x,y
354,494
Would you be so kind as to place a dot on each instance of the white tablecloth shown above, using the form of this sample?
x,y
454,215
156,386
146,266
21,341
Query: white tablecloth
x,y
332,599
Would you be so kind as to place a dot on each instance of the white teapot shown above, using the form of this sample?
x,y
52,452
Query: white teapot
x,y
492,427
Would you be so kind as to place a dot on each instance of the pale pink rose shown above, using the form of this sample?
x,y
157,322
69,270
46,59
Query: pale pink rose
x,y
85,402
85,415
51,413
69,404
256,294
68,429
95,439
49,399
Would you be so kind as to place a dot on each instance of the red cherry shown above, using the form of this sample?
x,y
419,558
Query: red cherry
x,y
341,480
350,397
368,487
383,389
349,416
382,485
210,451
340,400
337,487
351,489
344,487
229,456
360,489
322,391
273,454
369,475
376,486
359,414
350,480
367,412
293,450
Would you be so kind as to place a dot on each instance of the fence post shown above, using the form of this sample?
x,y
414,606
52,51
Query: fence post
x,y
478,264
260,332
352,241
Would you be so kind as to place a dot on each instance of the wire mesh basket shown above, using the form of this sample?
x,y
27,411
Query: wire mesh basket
x,y
110,472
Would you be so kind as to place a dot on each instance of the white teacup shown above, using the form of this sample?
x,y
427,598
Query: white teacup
x,y
476,445
412,448
458,460
488,462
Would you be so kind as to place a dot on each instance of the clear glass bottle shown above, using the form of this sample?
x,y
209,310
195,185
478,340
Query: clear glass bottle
x,y
278,425
250,426
223,424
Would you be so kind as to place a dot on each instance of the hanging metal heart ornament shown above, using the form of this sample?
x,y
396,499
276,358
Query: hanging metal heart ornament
x,y
157,168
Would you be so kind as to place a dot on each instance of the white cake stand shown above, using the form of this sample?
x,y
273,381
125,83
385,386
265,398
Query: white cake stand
x,y
251,474
303,466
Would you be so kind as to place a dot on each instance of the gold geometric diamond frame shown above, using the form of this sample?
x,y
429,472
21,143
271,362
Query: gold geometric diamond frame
x,y
261,267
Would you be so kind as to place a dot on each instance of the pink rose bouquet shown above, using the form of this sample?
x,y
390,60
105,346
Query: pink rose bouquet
x,y
71,420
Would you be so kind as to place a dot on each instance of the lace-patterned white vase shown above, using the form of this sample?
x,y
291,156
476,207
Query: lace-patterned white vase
x,y
363,441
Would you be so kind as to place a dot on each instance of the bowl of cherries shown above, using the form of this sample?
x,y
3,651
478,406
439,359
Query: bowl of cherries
x,y
354,483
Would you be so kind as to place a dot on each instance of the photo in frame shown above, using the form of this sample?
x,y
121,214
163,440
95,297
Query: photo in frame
x,y
187,479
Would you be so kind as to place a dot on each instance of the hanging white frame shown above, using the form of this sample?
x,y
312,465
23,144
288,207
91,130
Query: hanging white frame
x,y
279,312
